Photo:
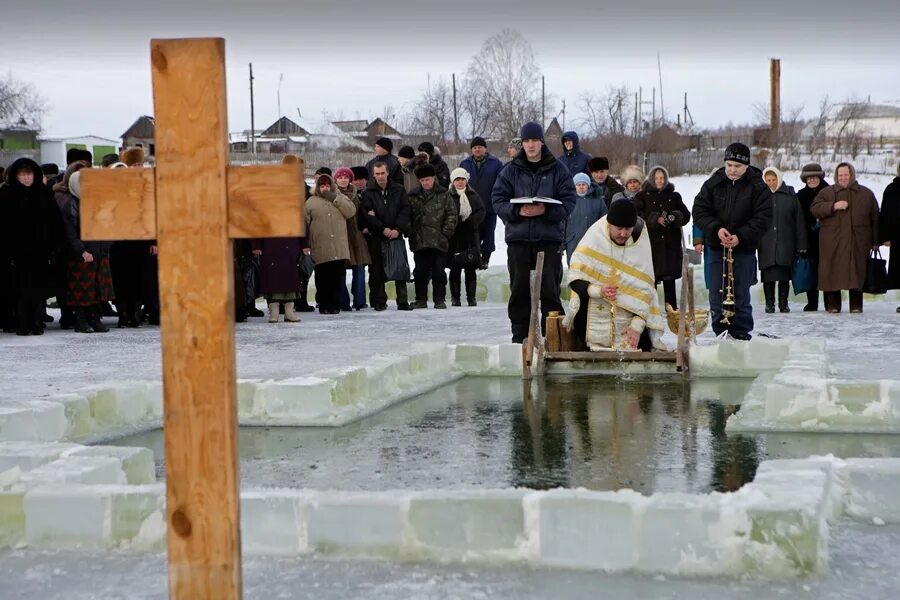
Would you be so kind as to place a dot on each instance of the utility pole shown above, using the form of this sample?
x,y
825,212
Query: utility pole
x,y
455,112
637,116
280,79
543,103
564,115
252,119
662,109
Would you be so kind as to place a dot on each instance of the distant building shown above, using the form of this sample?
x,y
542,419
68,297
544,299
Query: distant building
x,y
284,136
18,136
368,132
666,139
870,121
141,134
53,149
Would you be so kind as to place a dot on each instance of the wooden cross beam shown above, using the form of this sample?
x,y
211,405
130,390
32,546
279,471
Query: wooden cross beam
x,y
193,202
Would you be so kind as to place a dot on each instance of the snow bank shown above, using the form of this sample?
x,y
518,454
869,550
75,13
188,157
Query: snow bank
x,y
70,496
800,397
330,397
776,526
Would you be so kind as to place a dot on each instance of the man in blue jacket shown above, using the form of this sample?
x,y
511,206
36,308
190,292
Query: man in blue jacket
x,y
483,169
533,227
574,159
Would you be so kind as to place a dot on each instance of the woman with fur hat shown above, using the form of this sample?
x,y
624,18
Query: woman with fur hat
x,y
848,213
889,220
89,281
359,248
785,240
632,178
470,213
30,232
813,177
662,208
327,212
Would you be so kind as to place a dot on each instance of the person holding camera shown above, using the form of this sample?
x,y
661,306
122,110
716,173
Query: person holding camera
x,y
665,213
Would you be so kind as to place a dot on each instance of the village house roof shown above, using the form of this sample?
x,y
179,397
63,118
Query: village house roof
x,y
143,127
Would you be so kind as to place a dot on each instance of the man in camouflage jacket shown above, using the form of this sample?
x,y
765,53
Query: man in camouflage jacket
x,y
433,223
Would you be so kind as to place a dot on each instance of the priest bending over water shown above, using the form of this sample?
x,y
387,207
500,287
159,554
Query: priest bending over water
x,y
613,303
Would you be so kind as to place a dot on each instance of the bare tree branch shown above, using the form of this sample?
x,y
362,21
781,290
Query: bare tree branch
x,y
20,101
507,78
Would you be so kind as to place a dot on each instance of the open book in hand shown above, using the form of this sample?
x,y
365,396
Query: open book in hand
x,y
534,199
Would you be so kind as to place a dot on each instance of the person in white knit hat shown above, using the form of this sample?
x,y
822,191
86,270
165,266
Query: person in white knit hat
x,y
464,252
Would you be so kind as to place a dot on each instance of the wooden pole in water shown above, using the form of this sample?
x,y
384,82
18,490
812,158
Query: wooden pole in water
x,y
534,324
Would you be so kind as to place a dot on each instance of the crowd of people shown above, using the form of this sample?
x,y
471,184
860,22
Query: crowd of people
x,y
746,222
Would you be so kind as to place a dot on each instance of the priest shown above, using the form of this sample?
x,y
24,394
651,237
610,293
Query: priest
x,y
613,302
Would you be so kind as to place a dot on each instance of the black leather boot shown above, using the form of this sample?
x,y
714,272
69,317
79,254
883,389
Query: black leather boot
x,y
95,321
784,289
769,292
81,324
471,291
454,292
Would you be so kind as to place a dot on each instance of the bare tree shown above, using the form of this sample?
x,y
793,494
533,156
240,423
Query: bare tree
x,y
433,114
620,108
474,111
596,119
791,129
818,139
845,129
506,75
20,101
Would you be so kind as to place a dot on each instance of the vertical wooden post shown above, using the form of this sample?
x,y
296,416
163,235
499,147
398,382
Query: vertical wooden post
x,y
682,317
534,324
197,309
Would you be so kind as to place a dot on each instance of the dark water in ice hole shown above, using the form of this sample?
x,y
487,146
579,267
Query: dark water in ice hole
x,y
602,434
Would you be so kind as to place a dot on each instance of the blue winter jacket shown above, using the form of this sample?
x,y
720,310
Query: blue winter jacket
x,y
576,161
588,210
551,179
483,176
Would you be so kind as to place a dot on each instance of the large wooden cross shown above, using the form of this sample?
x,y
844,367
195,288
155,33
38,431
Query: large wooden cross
x,y
193,203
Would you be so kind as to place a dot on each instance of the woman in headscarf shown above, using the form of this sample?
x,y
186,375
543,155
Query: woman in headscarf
x,y
465,241
785,239
88,277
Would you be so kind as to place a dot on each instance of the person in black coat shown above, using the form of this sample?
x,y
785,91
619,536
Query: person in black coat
x,y
734,211
384,214
30,233
889,225
464,244
441,169
573,157
814,177
383,148
533,227
599,172
662,208
783,243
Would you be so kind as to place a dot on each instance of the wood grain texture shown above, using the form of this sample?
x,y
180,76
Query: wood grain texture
x,y
118,204
266,201
197,315
263,201
611,356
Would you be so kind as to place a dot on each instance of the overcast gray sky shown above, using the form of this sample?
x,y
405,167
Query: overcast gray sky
x,y
91,59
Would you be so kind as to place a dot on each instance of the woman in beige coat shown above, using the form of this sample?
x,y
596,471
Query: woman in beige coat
x,y
848,214
327,212
359,247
